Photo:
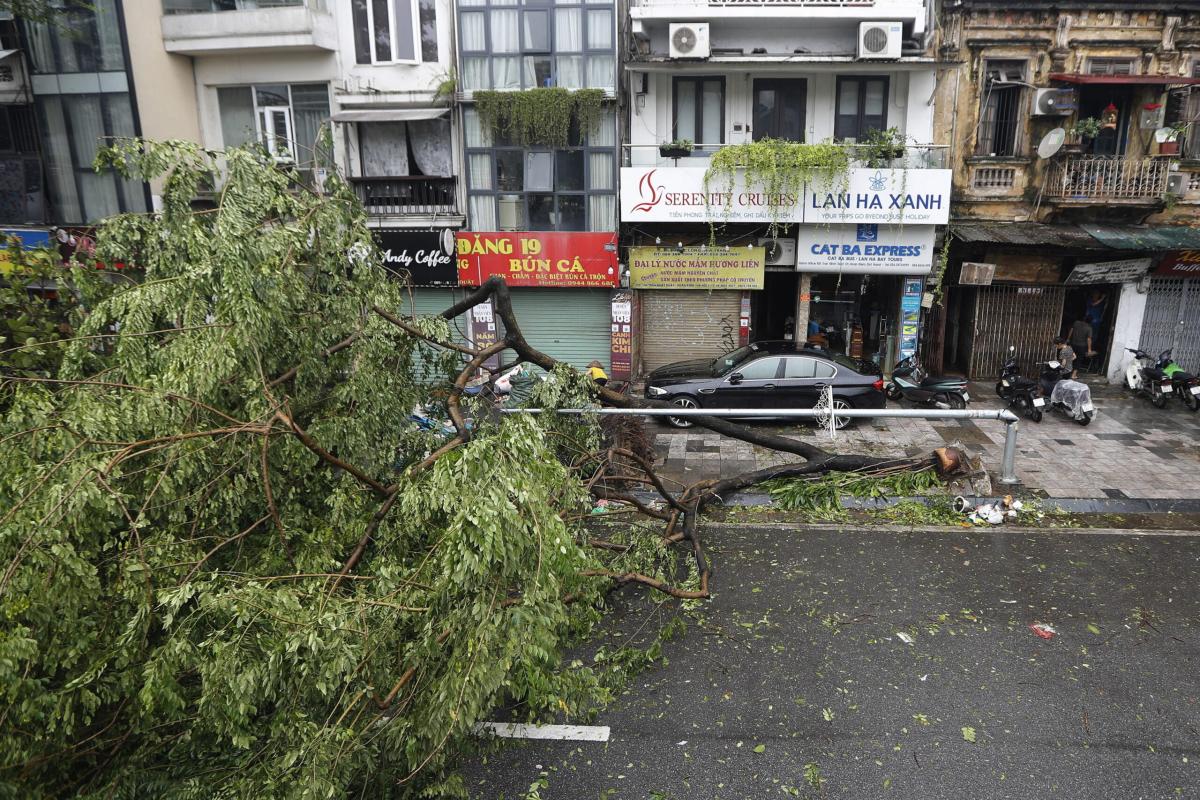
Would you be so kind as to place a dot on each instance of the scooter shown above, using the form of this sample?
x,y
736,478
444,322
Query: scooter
x,y
910,382
1145,376
1069,398
1023,394
1184,385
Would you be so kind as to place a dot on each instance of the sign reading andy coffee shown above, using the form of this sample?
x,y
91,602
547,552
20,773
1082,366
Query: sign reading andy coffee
x,y
739,268
866,249
536,258
893,196
678,194
425,258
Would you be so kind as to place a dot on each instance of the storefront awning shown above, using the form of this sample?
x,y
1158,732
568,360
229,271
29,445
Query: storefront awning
x,y
1025,233
1123,80
1145,237
388,114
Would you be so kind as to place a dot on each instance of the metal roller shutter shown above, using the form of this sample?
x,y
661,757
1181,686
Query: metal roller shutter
x,y
428,302
1026,317
1172,320
678,325
572,325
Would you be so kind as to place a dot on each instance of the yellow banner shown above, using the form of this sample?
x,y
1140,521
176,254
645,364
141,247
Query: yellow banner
x,y
738,268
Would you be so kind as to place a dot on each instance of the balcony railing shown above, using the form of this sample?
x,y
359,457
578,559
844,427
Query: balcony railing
x,y
402,196
1106,178
915,156
210,6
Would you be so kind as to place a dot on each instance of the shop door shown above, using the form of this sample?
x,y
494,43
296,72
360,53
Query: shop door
x,y
1027,317
571,325
680,325
1172,320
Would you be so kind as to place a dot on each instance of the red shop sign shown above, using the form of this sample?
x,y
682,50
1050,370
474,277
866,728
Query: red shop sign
x,y
1183,263
534,258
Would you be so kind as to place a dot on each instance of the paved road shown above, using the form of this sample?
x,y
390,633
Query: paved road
x,y
799,661
1131,449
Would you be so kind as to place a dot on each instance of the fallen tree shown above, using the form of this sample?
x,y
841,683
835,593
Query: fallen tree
x,y
232,566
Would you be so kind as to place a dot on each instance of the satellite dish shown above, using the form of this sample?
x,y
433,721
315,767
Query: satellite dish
x,y
1051,143
1163,134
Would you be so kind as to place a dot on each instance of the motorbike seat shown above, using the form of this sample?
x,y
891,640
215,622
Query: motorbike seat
x,y
1153,373
1023,383
1180,375
938,380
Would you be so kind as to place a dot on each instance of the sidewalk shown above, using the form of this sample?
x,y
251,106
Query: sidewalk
x,y
1131,449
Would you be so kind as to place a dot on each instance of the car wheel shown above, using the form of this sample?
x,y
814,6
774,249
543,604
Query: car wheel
x,y
841,405
955,401
683,402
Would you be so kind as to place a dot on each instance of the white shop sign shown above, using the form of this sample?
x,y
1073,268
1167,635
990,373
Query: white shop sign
x,y
908,197
1129,269
678,194
866,249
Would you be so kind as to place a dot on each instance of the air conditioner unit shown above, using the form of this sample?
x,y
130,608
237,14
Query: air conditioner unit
x,y
780,252
1055,102
689,40
879,40
512,213
1177,183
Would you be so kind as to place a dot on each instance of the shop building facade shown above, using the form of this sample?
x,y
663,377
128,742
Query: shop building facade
x,y
838,252
1072,133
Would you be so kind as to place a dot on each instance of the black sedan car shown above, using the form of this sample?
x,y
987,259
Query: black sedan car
x,y
767,375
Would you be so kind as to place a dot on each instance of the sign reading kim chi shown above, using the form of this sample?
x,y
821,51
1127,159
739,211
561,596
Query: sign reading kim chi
x,y
696,268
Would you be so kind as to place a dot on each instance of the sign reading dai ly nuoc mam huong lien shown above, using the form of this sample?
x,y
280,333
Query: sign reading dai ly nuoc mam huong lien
x,y
536,258
739,268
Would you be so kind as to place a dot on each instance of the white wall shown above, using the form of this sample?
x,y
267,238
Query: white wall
x,y
1127,330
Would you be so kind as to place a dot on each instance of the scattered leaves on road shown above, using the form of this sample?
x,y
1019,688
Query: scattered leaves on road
x,y
968,734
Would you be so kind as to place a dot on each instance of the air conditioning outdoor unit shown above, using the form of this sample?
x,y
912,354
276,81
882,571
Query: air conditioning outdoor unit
x,y
689,40
780,252
879,41
1055,102
1177,183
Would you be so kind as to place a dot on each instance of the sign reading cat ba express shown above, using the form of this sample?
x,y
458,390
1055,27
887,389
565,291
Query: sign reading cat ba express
x,y
426,258
868,249
739,268
535,258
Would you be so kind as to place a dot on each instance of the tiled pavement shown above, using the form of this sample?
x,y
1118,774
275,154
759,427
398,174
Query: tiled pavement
x,y
1131,449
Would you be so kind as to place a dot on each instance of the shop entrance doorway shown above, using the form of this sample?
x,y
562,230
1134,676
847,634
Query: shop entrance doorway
x,y
773,310
856,315
1096,304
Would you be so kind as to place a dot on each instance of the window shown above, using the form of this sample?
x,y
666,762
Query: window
x,y
761,370
799,368
779,109
387,31
1110,66
700,110
285,119
1191,111
861,106
1000,108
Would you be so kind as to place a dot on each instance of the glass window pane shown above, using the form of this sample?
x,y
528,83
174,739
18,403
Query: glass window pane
x,y
536,31
600,170
600,29
472,3
848,97
568,170
605,133
429,35
510,170
536,72
571,215
479,171
506,72
685,110
823,370
362,31
570,72
760,370
600,72
272,95
602,212
541,212
473,38
406,32
539,171
237,115
475,73
383,30
875,99
713,106
568,33
798,367
474,134
505,31
482,209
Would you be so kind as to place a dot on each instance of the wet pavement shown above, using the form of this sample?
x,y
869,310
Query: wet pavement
x,y
1130,450
849,663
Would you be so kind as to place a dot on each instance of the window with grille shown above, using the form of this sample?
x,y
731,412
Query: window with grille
x,y
1001,108
1110,66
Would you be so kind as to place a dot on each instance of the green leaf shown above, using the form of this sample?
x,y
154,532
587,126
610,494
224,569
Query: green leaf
x,y
968,734
762,748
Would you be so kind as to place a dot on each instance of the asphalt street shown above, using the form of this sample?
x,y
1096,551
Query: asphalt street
x,y
872,663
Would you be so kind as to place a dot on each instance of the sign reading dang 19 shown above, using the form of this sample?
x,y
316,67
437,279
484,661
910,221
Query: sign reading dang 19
x,y
866,249
534,258
897,196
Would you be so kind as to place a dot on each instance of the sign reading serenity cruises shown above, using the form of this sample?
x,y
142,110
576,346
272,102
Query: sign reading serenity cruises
x,y
678,194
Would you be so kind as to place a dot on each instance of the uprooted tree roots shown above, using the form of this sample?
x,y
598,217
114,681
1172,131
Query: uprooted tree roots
x,y
613,470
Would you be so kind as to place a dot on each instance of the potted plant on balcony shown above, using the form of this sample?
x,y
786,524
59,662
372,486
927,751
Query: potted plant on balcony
x,y
881,147
1081,134
680,148
1169,144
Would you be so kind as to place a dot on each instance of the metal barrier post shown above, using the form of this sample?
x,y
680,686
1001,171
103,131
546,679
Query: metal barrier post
x,y
1008,469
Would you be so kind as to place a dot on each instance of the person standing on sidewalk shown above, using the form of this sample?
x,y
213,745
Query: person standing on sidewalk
x,y
1081,339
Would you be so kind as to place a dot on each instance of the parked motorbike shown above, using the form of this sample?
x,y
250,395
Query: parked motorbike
x,y
1145,376
1162,378
1069,398
1024,395
910,382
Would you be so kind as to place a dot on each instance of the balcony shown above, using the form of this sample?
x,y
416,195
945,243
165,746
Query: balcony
x,y
231,27
407,196
1108,180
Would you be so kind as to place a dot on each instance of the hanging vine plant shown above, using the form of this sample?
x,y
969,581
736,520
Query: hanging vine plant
x,y
780,169
540,117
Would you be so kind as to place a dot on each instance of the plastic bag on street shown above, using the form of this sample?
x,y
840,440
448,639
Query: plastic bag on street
x,y
1072,394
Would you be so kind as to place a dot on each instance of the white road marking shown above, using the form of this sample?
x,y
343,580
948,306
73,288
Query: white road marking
x,y
578,733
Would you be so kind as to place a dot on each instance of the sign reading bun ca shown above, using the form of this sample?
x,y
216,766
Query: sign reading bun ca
x,y
537,258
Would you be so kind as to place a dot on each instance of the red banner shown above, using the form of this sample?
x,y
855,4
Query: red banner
x,y
1181,263
534,258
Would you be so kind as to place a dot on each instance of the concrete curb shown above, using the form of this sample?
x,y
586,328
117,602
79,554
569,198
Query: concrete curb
x,y
853,528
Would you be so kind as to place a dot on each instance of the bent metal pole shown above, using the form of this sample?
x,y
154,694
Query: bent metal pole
x,y
1008,472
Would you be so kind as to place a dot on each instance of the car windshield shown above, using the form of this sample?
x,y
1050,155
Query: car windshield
x,y
722,364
